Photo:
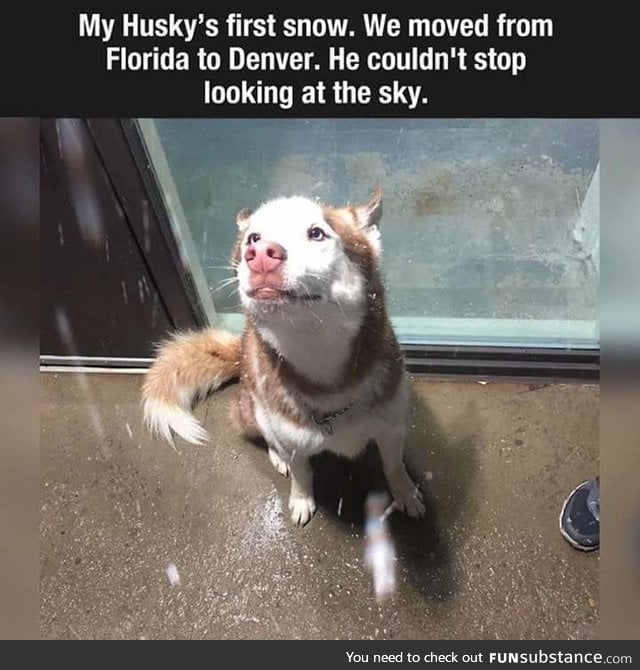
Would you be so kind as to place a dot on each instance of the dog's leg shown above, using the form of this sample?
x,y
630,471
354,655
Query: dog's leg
x,y
404,491
278,462
302,504
243,414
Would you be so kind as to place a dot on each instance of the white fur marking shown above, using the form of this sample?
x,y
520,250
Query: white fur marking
x,y
163,420
302,508
280,465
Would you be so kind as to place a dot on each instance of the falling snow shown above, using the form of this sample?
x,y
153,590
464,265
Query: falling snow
x,y
380,555
172,574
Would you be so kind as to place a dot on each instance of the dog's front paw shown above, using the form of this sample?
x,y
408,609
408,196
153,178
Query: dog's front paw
x,y
302,509
278,463
408,499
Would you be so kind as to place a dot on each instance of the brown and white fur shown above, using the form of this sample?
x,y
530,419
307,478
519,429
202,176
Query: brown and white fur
x,y
318,363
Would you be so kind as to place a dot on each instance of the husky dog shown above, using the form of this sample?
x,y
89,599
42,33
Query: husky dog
x,y
318,364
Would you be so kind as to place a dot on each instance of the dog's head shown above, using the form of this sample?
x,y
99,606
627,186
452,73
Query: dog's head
x,y
293,254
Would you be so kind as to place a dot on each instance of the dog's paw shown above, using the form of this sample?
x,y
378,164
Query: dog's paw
x,y
408,499
278,463
302,509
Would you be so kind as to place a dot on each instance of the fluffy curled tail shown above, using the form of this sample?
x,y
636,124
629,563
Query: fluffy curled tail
x,y
187,368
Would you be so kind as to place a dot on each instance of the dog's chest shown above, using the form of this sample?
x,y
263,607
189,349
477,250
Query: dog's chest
x,y
345,433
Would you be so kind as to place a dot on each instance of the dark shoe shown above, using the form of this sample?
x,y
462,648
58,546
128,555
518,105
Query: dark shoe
x,y
580,516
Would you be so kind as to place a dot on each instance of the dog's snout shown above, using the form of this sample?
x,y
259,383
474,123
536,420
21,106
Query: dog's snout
x,y
264,257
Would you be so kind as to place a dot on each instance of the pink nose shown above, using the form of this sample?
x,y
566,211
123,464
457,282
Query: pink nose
x,y
264,257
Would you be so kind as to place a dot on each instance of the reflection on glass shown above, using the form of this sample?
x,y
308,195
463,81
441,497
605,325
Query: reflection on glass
x,y
490,230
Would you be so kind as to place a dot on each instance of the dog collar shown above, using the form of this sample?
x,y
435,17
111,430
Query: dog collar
x,y
324,419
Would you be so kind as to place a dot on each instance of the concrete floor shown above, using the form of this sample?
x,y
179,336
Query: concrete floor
x,y
488,561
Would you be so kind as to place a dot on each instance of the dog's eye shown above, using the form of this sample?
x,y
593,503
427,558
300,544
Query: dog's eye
x,y
316,233
253,238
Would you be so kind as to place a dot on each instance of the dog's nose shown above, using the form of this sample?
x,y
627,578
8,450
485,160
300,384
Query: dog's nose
x,y
264,257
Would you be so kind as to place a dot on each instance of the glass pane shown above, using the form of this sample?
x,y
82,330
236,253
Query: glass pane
x,y
490,227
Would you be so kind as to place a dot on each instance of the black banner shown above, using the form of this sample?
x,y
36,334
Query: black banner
x,y
379,59
353,654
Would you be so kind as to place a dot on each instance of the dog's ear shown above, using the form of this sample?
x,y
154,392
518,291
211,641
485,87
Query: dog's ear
x,y
242,218
369,216
370,213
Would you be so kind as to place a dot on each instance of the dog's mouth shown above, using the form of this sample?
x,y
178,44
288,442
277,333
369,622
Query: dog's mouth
x,y
272,294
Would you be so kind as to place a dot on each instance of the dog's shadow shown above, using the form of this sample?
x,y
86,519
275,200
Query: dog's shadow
x,y
443,469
